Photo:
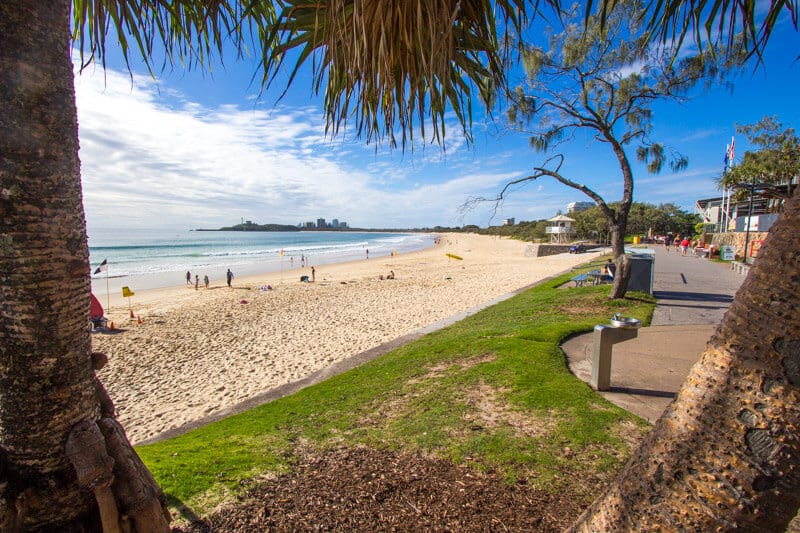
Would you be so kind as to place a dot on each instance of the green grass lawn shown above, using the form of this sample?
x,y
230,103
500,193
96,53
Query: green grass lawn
x,y
492,391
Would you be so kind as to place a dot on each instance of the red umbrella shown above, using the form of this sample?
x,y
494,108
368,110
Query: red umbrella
x,y
97,308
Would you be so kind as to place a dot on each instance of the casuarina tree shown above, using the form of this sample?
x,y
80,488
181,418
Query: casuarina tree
x,y
603,81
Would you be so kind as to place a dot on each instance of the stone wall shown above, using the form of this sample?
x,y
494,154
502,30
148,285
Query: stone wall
x,y
551,249
736,239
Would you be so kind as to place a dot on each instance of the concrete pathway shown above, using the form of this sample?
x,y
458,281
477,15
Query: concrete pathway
x,y
692,295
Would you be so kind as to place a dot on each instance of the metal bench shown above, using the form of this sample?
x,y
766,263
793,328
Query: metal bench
x,y
581,279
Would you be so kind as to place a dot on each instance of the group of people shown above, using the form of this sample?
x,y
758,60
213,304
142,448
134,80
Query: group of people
x,y
206,281
685,243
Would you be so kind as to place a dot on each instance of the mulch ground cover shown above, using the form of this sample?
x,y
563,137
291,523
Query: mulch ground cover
x,y
362,489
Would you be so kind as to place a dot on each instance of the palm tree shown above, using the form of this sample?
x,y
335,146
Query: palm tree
x,y
61,461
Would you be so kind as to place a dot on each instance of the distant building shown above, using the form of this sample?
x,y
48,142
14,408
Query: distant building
x,y
342,224
577,207
321,223
309,225
508,221
335,223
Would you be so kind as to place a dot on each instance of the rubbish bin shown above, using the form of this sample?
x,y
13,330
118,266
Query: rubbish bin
x,y
642,267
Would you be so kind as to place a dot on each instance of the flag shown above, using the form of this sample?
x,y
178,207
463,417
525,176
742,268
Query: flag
x,y
281,252
126,292
727,155
732,153
103,267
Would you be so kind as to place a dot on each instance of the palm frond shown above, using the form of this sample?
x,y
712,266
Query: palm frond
x,y
188,32
393,66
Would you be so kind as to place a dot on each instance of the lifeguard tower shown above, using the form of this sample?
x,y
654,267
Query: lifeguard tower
x,y
560,229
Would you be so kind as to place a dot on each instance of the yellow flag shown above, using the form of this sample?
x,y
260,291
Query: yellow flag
x,y
126,292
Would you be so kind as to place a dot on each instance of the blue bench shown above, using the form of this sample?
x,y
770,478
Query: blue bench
x,y
595,277
580,279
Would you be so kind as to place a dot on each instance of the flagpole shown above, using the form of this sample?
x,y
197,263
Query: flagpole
x,y
108,293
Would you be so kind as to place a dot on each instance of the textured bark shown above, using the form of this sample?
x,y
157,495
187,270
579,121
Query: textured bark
x,y
46,380
47,384
620,226
623,265
726,453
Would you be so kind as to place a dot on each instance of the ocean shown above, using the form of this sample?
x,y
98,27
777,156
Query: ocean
x,y
148,258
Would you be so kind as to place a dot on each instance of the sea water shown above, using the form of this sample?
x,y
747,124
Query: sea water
x,y
153,258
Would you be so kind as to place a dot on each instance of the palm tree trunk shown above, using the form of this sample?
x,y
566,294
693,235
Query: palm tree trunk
x,y
47,384
726,453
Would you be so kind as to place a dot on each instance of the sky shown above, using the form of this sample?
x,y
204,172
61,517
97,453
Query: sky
x,y
204,150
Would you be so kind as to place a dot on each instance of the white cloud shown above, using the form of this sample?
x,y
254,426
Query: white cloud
x,y
150,157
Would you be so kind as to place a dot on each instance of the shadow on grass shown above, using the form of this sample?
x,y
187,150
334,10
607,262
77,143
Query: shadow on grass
x,y
185,511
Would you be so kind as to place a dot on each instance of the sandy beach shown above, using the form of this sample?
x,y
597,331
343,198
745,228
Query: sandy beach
x,y
200,352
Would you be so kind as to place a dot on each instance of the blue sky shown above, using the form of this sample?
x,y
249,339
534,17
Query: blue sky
x,y
193,149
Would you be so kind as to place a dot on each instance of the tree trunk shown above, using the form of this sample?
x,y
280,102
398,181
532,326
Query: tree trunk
x,y
47,384
726,453
620,227
623,265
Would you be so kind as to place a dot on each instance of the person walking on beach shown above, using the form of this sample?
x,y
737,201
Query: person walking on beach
x,y
313,273
230,277
367,253
205,280
196,281
188,278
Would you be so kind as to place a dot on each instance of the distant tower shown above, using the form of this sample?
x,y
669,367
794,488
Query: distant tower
x,y
321,223
560,229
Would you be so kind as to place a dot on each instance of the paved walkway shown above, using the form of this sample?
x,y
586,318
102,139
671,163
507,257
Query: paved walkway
x,y
692,295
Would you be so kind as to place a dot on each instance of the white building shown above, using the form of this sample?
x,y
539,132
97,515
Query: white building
x,y
577,207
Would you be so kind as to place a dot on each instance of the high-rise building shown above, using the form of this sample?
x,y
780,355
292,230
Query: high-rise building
x,y
577,207
335,223
321,223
